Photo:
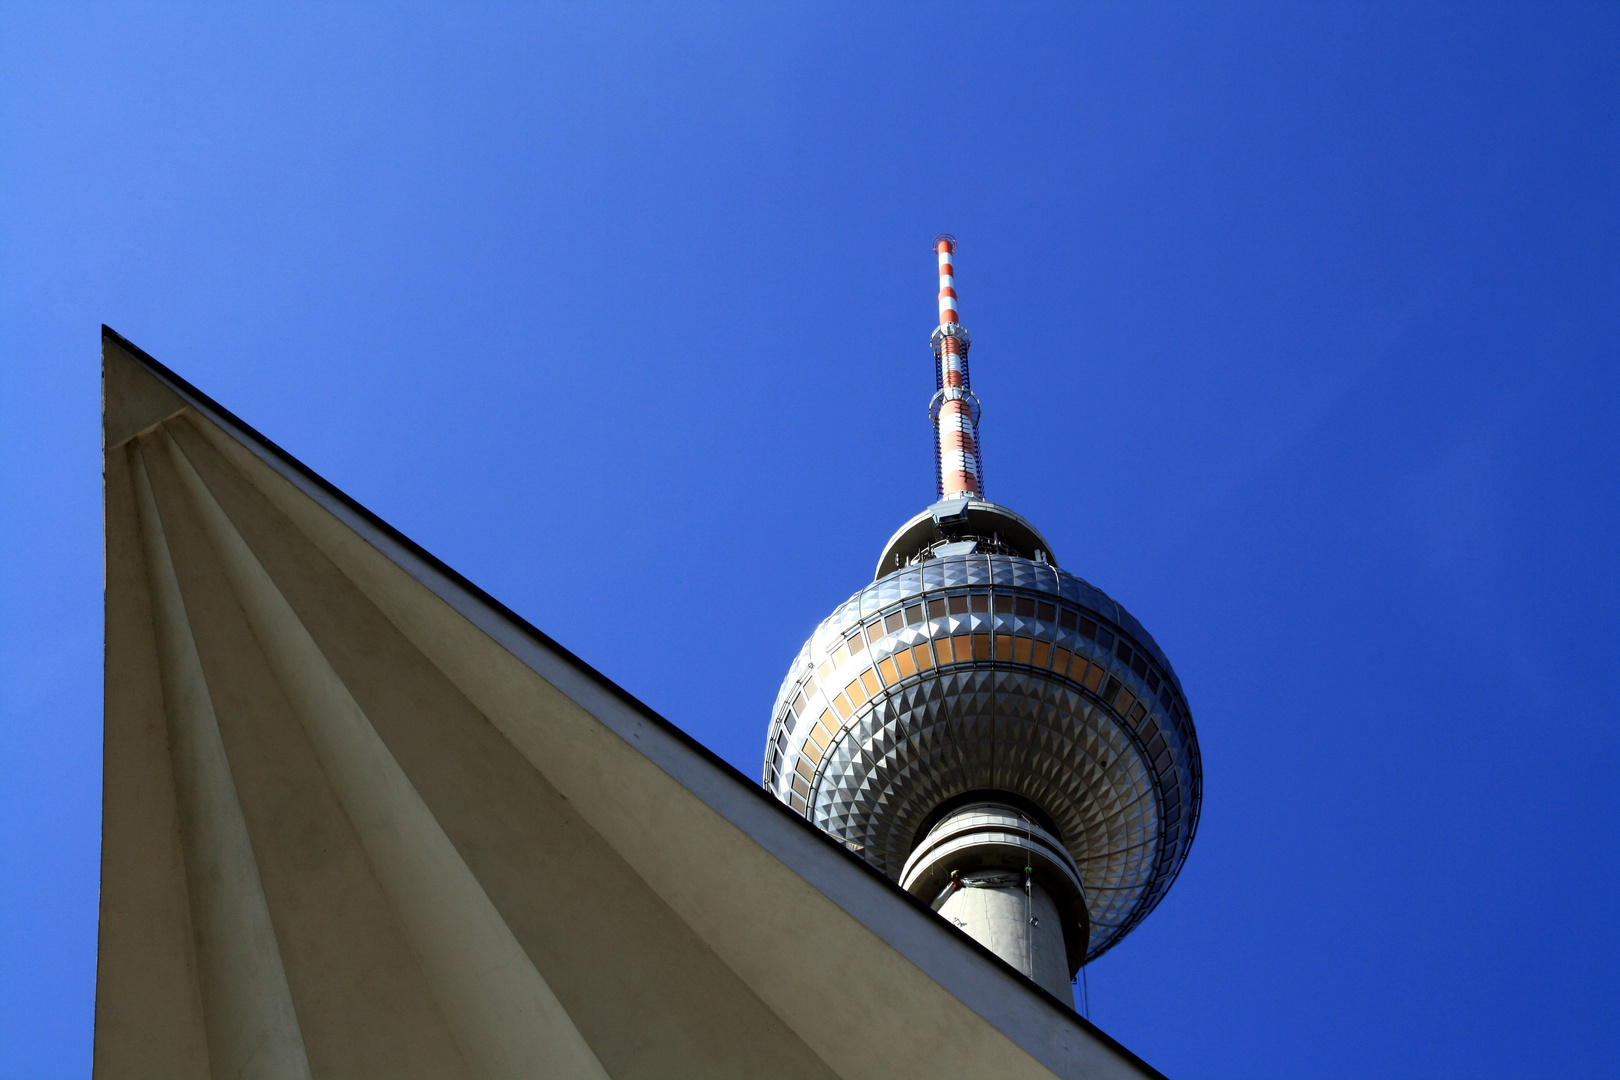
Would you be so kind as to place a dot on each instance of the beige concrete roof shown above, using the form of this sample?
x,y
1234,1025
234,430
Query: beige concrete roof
x,y
361,820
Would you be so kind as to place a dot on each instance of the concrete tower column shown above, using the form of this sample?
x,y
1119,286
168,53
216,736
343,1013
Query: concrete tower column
x,y
1010,885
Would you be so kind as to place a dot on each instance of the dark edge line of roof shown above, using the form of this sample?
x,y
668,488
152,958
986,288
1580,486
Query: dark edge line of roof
x,y
187,390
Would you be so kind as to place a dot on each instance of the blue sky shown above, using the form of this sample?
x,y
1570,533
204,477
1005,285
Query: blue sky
x,y
1295,328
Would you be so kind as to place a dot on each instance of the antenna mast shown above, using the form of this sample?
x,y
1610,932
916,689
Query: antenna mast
x,y
955,408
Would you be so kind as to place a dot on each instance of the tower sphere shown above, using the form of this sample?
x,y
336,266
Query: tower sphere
x,y
978,722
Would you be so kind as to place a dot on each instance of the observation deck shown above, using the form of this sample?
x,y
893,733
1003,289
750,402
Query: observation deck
x,y
992,675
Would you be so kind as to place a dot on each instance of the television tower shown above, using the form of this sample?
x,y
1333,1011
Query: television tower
x,y
990,731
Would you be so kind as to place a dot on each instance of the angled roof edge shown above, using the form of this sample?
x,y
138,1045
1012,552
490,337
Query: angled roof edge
x,y
440,575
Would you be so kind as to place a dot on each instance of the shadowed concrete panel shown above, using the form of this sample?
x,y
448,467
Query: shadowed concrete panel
x,y
252,1029
149,1013
131,400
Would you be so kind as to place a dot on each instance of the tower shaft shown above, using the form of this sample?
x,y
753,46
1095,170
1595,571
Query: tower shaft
x,y
1009,884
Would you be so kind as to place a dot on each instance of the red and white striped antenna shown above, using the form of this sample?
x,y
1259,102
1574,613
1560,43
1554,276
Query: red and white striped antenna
x,y
955,408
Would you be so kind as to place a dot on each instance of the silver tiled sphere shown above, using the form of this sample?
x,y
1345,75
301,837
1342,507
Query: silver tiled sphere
x,y
973,674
